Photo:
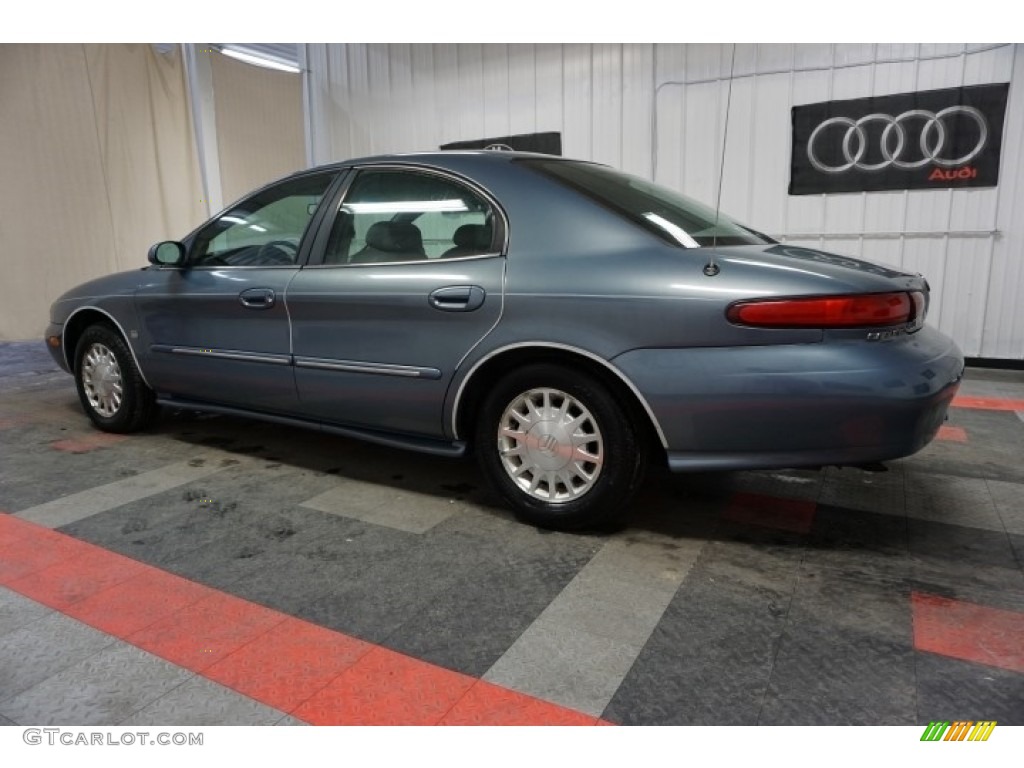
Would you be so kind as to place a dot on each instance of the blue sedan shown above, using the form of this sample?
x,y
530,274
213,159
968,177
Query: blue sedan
x,y
568,322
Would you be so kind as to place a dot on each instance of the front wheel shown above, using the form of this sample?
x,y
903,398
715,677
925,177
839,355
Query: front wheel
x,y
111,389
558,448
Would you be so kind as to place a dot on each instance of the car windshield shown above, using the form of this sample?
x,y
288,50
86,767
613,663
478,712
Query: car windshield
x,y
669,215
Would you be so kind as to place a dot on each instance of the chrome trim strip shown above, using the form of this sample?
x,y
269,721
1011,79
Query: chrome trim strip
x,y
567,348
355,366
214,267
225,354
120,328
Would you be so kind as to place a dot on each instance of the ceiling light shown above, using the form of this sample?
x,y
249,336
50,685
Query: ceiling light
x,y
407,206
260,61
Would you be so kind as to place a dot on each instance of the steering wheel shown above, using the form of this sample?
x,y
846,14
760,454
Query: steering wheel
x,y
264,251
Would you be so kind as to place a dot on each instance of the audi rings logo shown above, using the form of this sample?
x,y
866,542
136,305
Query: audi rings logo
x,y
895,144
925,140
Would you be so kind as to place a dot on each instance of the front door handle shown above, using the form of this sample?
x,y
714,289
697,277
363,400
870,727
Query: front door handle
x,y
257,298
457,298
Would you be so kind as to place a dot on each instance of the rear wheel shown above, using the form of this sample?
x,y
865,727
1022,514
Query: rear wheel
x,y
110,386
558,448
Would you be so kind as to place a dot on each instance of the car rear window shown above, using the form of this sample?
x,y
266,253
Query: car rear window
x,y
665,213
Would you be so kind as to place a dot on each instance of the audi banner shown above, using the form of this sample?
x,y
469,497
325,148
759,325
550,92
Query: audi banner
x,y
547,143
923,140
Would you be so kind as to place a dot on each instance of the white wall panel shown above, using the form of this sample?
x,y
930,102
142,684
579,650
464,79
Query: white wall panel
x,y
1003,332
659,111
606,116
637,97
522,89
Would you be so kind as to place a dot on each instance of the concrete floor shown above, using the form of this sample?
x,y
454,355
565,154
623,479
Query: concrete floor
x,y
219,571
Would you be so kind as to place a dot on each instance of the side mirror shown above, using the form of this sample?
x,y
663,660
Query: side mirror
x,y
169,253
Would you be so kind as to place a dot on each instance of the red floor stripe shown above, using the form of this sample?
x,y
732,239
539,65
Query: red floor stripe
x,y
988,403
288,664
72,580
969,632
318,675
796,515
387,688
952,434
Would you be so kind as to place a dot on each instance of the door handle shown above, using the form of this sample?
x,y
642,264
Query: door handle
x,y
257,298
457,298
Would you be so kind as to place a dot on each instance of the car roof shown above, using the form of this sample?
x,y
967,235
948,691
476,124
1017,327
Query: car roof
x,y
436,158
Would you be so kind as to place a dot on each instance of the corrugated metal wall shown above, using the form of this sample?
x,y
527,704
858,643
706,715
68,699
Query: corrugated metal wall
x,y
658,111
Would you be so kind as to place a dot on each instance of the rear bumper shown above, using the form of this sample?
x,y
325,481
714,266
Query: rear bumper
x,y
834,402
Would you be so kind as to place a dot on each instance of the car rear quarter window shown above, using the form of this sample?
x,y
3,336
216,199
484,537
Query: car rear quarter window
x,y
667,214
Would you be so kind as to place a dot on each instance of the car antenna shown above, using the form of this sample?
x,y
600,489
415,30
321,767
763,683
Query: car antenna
x,y
711,268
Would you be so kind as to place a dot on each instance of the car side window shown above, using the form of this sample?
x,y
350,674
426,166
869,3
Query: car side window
x,y
262,230
397,216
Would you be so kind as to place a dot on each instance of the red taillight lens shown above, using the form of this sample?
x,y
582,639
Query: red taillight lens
x,y
828,311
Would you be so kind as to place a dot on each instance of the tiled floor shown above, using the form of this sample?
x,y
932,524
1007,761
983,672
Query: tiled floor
x,y
218,571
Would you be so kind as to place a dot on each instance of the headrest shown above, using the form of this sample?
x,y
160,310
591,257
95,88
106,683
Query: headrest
x,y
473,236
395,236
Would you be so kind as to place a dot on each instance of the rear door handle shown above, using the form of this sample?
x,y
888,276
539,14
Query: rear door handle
x,y
257,298
457,298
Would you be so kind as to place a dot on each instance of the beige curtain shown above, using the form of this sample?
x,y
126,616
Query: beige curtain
x,y
98,162
259,125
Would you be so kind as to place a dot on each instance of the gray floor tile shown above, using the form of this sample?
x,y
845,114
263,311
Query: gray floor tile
x,y
787,484
864,545
876,492
566,666
100,690
663,689
816,660
5,721
43,648
950,556
472,622
710,658
992,382
962,501
950,689
201,702
830,709
1009,501
391,507
992,451
78,506
17,611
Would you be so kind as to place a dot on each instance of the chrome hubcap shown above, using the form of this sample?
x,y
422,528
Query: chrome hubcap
x,y
101,379
550,445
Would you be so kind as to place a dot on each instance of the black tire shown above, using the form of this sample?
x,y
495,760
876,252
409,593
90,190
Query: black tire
x,y
596,503
103,362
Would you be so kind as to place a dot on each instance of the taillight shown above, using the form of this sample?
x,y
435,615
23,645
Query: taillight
x,y
863,310
920,305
